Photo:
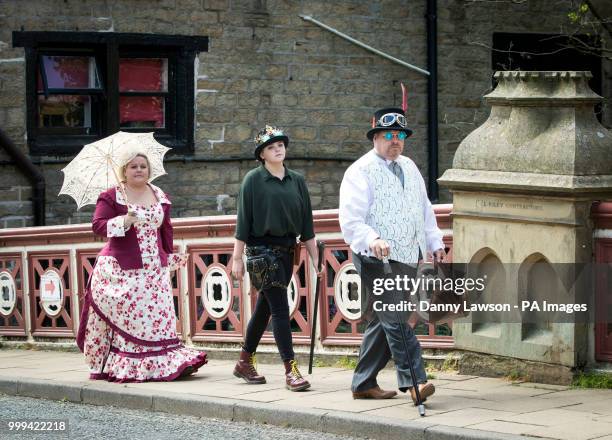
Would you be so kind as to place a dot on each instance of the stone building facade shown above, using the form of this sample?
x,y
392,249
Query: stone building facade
x,y
266,65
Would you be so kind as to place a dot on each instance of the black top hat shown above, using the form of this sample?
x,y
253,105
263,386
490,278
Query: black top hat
x,y
390,118
268,135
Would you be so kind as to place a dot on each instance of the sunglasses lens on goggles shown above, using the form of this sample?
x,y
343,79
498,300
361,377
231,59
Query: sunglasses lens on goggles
x,y
401,135
391,118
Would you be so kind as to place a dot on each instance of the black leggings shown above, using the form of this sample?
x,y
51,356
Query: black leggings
x,y
272,302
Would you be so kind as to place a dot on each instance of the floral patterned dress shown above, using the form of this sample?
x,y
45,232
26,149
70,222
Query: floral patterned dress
x,y
131,325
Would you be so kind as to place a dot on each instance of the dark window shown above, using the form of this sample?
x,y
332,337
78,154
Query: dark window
x,y
547,52
144,95
83,86
68,93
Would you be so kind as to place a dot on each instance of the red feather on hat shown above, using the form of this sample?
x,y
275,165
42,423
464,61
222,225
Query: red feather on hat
x,y
404,97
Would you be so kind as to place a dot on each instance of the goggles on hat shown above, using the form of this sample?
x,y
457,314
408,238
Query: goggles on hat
x,y
389,119
401,135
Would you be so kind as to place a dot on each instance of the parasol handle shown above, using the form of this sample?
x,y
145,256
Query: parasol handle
x,y
119,183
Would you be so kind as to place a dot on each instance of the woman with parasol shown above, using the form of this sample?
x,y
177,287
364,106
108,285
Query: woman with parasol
x,y
128,323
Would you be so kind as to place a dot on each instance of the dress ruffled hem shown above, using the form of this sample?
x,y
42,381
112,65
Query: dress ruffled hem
x,y
123,369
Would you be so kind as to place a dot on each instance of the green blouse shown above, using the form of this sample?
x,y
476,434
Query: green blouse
x,y
270,206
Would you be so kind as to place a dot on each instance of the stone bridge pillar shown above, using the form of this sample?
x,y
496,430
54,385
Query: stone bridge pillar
x,y
523,184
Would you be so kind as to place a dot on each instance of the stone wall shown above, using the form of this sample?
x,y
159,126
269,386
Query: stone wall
x,y
267,65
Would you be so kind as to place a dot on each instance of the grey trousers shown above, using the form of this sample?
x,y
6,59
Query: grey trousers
x,y
384,339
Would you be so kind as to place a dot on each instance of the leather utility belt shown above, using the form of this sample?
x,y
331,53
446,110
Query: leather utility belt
x,y
265,266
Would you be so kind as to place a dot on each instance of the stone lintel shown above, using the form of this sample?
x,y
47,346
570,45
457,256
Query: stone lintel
x,y
524,209
591,187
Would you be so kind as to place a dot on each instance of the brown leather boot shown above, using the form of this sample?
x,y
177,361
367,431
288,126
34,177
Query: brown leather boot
x,y
374,393
425,390
245,369
293,378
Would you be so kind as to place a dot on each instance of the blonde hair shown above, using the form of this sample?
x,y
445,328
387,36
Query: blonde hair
x,y
126,157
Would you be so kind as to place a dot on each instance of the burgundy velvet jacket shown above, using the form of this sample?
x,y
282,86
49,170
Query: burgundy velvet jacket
x,y
126,249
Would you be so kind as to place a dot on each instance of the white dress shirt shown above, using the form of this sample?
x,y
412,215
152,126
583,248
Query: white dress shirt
x,y
356,199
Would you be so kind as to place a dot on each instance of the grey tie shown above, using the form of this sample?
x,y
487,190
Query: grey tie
x,y
397,170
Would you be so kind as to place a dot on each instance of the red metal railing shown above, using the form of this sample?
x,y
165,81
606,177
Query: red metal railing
x,y
602,219
50,318
210,306
12,298
216,302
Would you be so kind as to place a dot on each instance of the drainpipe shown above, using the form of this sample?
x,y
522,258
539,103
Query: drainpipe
x,y
363,45
432,100
32,173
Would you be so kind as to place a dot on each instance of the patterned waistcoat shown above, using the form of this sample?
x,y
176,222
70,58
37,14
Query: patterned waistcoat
x,y
397,213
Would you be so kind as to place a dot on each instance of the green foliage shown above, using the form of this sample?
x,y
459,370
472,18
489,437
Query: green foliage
x,y
317,362
576,15
593,380
516,375
347,362
449,364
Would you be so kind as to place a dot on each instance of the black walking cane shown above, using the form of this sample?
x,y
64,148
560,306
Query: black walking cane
x,y
417,392
321,247
420,406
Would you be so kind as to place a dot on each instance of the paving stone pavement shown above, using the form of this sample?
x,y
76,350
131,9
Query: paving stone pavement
x,y
463,406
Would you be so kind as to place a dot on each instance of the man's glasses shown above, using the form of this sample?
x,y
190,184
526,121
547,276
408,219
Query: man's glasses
x,y
389,119
400,136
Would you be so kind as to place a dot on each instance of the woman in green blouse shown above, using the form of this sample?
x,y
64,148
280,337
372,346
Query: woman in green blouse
x,y
273,210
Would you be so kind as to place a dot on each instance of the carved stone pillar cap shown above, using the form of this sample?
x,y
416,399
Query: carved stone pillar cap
x,y
542,135
529,88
